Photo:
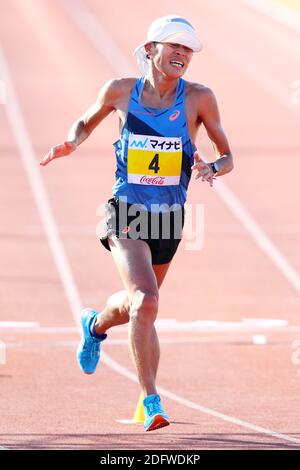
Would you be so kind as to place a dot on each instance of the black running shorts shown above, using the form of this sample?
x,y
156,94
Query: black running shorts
x,y
162,231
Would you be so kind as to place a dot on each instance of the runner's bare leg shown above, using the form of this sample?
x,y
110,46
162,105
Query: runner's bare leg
x,y
160,271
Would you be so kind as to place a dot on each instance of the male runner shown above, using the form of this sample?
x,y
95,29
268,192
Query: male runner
x,y
160,114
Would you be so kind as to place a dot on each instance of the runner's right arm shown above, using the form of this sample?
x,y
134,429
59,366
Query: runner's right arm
x,y
83,127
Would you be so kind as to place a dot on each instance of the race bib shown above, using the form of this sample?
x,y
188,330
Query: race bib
x,y
154,160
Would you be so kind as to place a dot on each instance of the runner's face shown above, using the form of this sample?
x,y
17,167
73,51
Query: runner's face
x,y
171,59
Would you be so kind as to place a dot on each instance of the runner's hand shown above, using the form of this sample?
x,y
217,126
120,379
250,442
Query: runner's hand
x,y
204,170
61,150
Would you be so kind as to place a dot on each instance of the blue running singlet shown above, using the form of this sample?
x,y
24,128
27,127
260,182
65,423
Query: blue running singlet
x,y
154,153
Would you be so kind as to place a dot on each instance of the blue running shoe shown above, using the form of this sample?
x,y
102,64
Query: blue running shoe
x,y
88,351
155,416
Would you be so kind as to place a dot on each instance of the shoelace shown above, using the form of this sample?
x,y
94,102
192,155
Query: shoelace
x,y
92,346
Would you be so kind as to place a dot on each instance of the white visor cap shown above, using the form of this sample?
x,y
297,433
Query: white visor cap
x,y
171,28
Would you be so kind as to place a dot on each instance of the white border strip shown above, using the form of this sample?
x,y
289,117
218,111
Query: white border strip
x,y
277,12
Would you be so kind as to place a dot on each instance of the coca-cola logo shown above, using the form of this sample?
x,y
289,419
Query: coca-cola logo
x,y
156,180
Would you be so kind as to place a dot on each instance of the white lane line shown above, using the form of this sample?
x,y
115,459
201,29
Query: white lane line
x,y
262,240
229,419
16,120
246,325
97,35
189,404
102,42
213,341
277,12
39,192
244,65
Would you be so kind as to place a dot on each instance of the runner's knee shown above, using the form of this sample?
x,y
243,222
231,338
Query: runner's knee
x,y
144,306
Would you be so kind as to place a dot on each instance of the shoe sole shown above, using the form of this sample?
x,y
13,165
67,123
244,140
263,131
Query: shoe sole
x,y
158,422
